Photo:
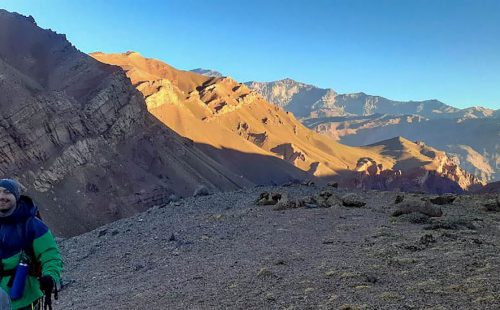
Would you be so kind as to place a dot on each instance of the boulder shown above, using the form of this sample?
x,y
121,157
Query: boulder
x,y
333,184
427,239
423,207
399,199
201,190
493,205
286,203
267,198
352,200
444,199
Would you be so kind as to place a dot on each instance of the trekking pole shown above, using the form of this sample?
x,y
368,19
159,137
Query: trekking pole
x,y
47,300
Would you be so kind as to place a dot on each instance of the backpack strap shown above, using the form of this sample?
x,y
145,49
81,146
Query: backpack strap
x,y
27,246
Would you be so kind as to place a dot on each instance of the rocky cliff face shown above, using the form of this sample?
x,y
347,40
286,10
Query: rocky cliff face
x,y
298,98
417,167
78,135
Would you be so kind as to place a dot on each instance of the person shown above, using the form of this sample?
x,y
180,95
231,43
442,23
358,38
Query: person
x,y
24,237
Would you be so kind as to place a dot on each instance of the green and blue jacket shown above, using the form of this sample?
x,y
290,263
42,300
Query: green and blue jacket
x,y
23,232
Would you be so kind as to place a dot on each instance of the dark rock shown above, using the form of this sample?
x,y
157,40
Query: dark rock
x,y
412,248
102,233
493,205
333,184
423,207
285,203
92,188
172,238
325,194
138,267
308,183
352,200
202,190
266,198
399,199
443,199
371,278
427,239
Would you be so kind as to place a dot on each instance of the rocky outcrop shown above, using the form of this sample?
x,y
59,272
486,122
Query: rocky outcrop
x,y
418,168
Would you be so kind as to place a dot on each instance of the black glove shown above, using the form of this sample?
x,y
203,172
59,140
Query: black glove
x,y
46,284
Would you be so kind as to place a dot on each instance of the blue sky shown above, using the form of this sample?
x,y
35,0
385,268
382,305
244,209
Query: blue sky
x,y
399,49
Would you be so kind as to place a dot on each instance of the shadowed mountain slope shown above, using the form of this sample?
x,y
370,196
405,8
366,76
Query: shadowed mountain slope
x,y
78,135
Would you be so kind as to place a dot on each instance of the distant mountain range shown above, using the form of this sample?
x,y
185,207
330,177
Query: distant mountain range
x,y
306,101
471,134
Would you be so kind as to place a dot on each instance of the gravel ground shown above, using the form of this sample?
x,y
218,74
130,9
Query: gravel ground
x,y
223,251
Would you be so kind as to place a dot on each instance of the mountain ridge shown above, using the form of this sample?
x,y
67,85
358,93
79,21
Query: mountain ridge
x,y
328,102
222,103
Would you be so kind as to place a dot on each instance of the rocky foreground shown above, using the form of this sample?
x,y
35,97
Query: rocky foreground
x,y
303,247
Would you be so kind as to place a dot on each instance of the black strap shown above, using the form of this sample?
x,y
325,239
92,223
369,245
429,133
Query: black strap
x,y
7,273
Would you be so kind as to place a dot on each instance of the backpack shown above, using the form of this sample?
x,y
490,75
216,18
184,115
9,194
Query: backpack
x,y
35,269
35,266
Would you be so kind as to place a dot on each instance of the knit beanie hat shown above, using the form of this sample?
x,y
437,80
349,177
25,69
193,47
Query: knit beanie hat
x,y
12,186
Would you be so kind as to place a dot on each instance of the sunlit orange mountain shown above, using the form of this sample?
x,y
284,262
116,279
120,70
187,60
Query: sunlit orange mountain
x,y
222,113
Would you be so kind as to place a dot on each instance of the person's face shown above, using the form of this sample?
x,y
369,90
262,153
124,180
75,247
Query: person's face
x,y
7,200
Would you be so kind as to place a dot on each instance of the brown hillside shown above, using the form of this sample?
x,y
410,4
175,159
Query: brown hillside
x,y
223,113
